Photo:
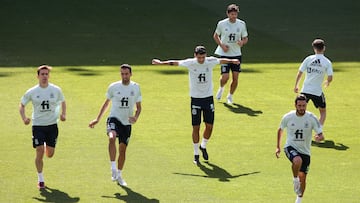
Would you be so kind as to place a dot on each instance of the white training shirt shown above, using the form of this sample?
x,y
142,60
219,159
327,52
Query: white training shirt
x,y
315,66
46,104
299,130
200,76
123,98
229,34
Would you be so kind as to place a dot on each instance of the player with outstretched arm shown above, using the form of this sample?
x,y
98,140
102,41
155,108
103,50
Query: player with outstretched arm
x,y
201,92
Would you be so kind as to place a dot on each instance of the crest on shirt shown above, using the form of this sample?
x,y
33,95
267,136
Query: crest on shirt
x,y
132,93
306,125
118,92
292,124
52,96
238,30
38,96
207,69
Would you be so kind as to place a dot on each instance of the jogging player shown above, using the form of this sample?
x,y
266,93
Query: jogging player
x,y
124,95
230,35
316,66
299,125
46,99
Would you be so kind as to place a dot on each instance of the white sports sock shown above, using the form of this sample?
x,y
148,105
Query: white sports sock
x,y
298,199
204,142
113,165
297,178
119,173
221,88
230,95
196,148
40,177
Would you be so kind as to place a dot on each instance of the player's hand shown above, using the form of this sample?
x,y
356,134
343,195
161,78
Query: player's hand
x,y
155,62
26,121
93,123
277,152
240,43
296,89
132,119
236,61
326,83
63,117
319,137
224,47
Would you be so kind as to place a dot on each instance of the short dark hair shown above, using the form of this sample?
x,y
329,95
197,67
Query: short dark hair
x,y
232,7
200,50
300,97
318,44
43,67
126,66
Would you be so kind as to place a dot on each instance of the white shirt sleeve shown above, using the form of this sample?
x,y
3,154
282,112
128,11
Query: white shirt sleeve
x,y
109,93
283,122
303,65
26,98
139,96
244,32
61,97
218,29
329,70
316,124
185,63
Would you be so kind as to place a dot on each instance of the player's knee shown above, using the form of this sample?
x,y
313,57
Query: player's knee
x,y
297,161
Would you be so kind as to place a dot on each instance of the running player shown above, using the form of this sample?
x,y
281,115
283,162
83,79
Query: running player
x,y
315,66
124,95
201,92
46,99
230,35
299,124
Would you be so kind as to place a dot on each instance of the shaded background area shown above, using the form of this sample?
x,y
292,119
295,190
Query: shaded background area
x,y
95,32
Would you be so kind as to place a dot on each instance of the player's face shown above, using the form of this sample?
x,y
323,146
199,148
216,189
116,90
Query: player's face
x,y
43,76
125,75
300,107
200,58
232,16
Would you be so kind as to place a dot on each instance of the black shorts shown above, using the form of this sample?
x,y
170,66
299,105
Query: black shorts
x,y
204,105
225,68
291,153
319,101
45,134
123,132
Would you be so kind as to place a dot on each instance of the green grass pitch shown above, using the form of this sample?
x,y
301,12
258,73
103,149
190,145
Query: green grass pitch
x,y
159,167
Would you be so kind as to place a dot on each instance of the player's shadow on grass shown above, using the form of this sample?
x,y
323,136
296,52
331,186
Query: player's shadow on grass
x,y
238,108
54,195
330,144
214,171
83,71
172,72
132,196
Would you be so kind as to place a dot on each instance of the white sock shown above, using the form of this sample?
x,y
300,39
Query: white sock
x,y
113,165
119,173
221,88
40,177
297,178
298,199
204,142
196,148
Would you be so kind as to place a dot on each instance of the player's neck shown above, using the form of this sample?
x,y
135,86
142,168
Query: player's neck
x,y
43,85
126,83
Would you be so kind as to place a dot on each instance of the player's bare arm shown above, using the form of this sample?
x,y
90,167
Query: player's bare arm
x,y
102,111
217,39
225,61
169,62
328,81
25,119
278,150
298,77
134,118
243,41
63,111
319,137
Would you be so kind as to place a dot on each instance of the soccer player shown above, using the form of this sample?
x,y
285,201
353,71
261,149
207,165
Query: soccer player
x,y
230,35
46,99
299,124
201,92
124,95
316,66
